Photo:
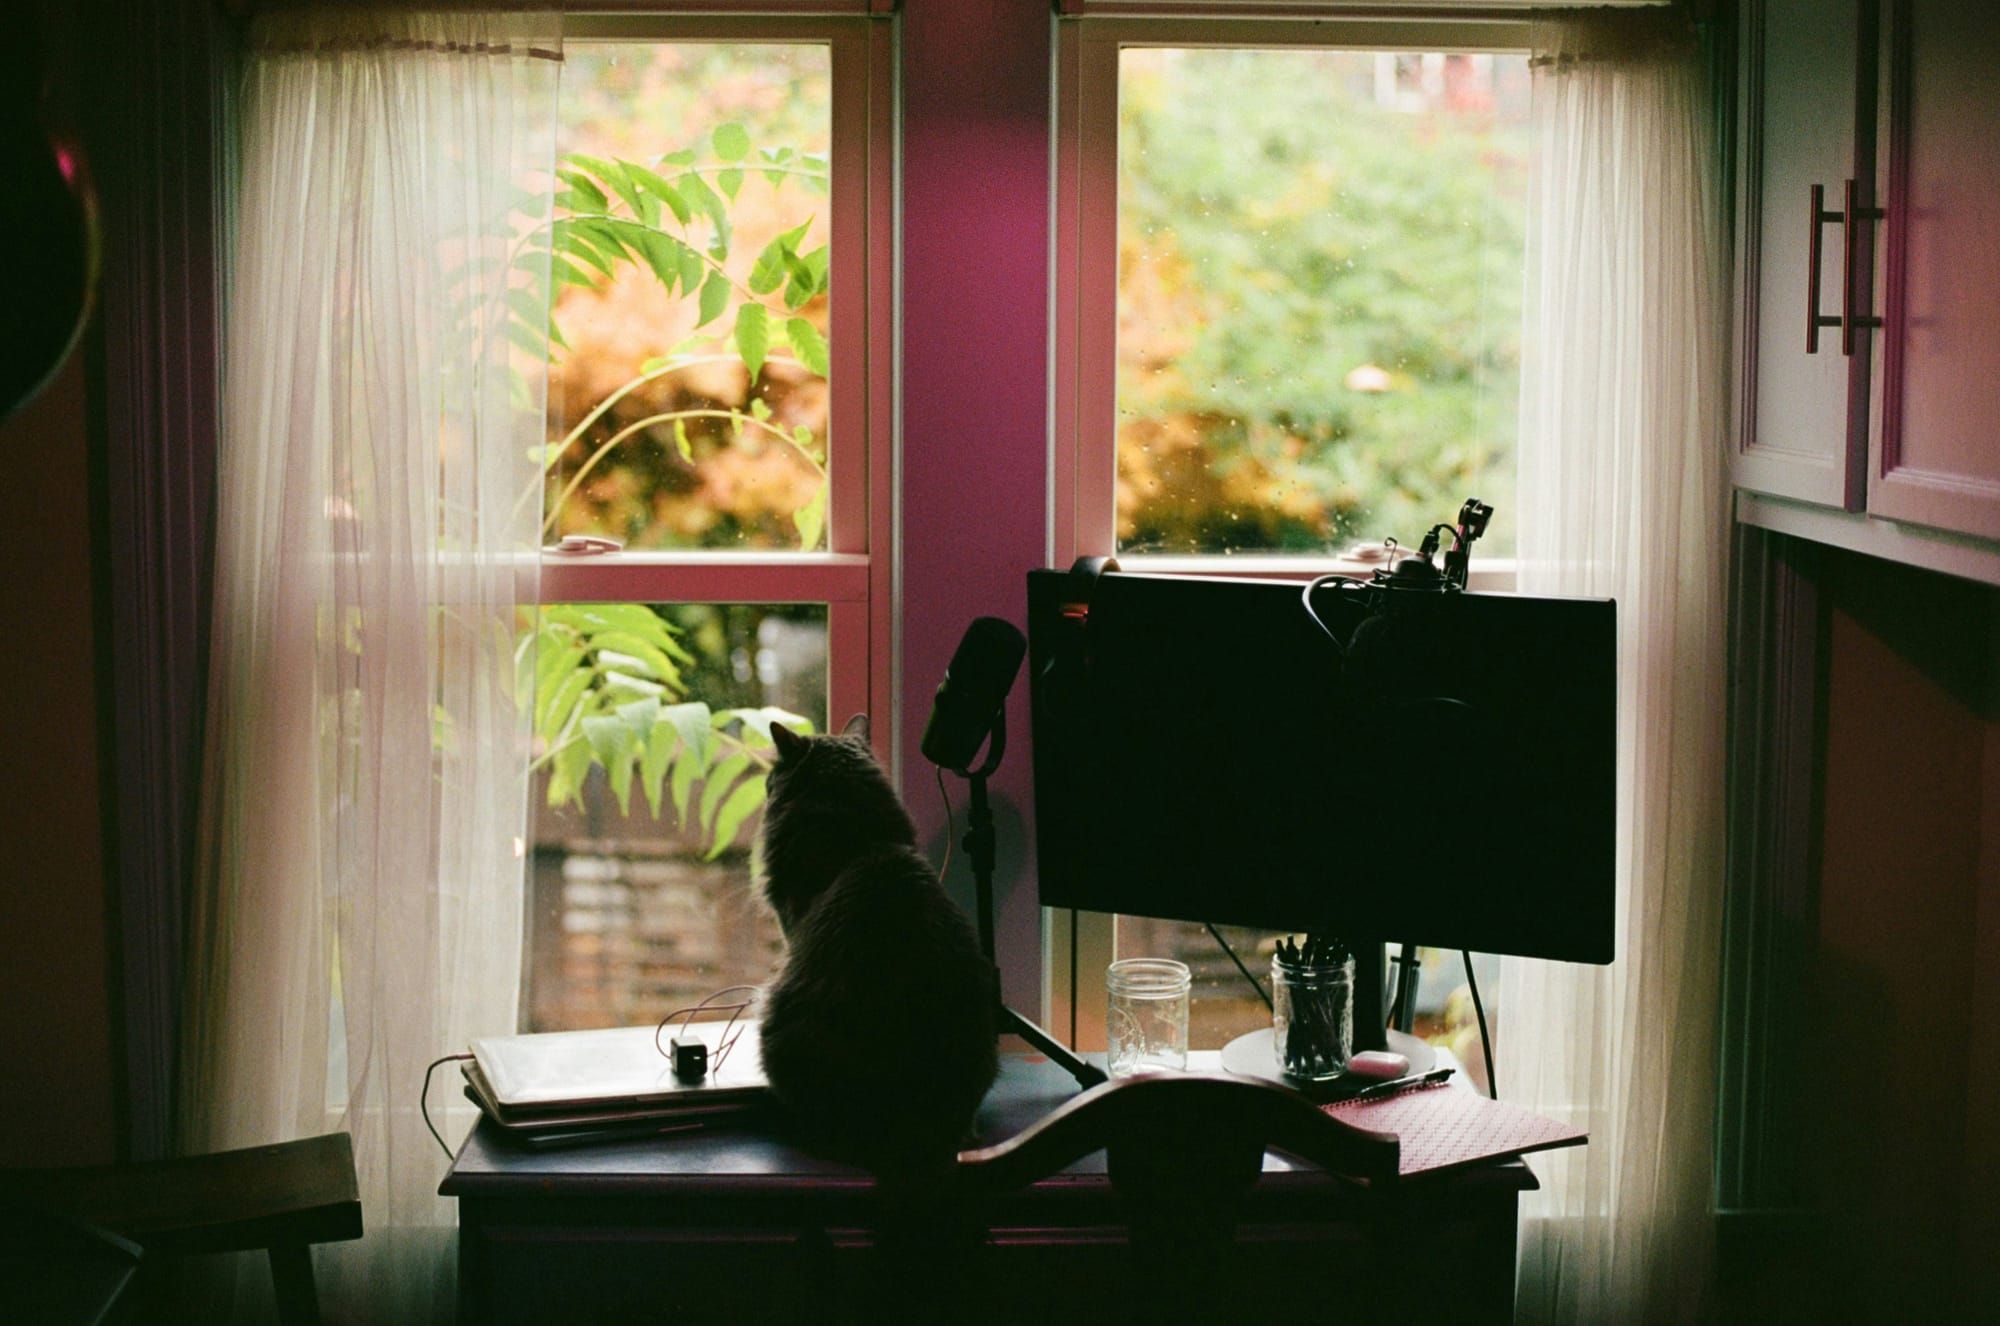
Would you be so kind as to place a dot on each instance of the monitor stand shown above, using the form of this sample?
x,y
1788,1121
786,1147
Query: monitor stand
x,y
1254,1055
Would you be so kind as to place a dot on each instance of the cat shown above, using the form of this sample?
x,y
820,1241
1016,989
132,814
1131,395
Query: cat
x,y
879,1029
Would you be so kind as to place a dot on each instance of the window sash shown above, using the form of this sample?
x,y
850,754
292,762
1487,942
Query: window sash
x,y
855,578
1083,426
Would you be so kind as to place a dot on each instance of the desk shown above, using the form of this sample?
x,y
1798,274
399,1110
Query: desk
x,y
743,1225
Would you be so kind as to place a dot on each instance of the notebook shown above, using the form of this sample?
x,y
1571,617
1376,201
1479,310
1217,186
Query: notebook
x,y
1444,1127
571,1073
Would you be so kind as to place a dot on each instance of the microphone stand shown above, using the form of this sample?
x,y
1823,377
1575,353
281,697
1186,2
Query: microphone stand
x,y
979,841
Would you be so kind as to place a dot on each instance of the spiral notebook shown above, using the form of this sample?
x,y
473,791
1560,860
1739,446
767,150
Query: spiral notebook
x,y
1445,1127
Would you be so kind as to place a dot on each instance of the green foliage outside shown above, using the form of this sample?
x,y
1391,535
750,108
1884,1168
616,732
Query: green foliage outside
x,y
608,682
1281,230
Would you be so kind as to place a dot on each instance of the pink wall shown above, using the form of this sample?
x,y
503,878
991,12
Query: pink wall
x,y
56,1104
975,235
1904,1024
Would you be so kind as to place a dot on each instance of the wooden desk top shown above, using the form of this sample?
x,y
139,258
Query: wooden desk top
x,y
755,1152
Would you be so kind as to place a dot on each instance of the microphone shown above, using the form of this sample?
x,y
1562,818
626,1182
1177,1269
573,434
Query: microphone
x,y
974,688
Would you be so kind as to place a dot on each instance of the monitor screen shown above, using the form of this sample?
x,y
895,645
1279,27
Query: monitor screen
x,y
1439,772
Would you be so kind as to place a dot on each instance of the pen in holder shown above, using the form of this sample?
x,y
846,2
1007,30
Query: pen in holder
x,y
1312,1009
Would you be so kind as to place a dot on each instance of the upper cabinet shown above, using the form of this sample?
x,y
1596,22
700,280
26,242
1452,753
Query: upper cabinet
x,y
1868,277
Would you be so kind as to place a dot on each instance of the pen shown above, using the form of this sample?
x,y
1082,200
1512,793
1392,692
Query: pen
x,y
1402,1084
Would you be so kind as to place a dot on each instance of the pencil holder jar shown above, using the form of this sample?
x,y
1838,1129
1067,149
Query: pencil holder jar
x,y
1312,1017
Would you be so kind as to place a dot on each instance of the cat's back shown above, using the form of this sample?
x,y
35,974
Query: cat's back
x,y
882,1020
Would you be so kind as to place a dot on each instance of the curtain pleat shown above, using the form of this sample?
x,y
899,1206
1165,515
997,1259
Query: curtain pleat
x,y
1623,495
359,909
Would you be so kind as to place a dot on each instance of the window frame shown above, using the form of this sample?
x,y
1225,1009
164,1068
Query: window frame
x,y
1084,353
855,576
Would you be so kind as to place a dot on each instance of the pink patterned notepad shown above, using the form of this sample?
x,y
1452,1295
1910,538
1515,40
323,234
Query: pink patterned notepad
x,y
1442,1127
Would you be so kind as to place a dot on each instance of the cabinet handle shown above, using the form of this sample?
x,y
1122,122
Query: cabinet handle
x,y
1848,319
1814,319
1849,245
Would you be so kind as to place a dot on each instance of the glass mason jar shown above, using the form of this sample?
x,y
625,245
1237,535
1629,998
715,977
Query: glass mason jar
x,y
1146,1015
1312,1017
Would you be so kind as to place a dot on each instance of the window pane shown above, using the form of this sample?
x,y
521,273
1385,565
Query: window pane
x,y
1320,266
688,393
632,915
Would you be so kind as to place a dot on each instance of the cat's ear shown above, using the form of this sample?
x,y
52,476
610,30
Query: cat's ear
x,y
789,743
857,726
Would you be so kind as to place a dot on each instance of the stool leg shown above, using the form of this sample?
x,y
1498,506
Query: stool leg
x,y
292,1279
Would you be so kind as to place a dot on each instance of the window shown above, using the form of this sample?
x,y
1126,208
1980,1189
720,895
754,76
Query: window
x,y
1289,265
717,515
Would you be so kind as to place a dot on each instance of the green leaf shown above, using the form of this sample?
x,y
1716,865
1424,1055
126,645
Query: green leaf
x,y
681,783
573,239
731,141
776,156
608,736
661,743
808,344
566,272
561,687
612,173
811,520
603,232
725,773
681,440
693,269
740,806
768,272
528,338
639,716
684,157
526,307
729,181
776,259
714,299
760,409
585,190
659,188
647,659
614,744
659,251
753,337
691,721
706,201
566,773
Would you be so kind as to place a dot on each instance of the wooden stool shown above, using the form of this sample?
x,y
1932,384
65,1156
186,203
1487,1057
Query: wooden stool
x,y
280,1198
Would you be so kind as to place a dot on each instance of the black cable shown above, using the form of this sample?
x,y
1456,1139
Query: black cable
x,y
724,1041
1261,993
424,1101
950,824
1485,1041
1306,597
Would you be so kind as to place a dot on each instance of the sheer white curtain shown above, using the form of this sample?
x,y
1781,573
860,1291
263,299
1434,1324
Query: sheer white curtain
x,y
366,786
1624,496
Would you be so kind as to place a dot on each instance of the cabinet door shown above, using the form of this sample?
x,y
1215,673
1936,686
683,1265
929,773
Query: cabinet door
x,y
1807,117
1937,456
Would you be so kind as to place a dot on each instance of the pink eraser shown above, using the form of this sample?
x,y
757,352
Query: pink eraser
x,y
1384,1064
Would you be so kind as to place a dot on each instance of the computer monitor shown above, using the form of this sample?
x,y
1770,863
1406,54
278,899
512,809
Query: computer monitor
x,y
1441,771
